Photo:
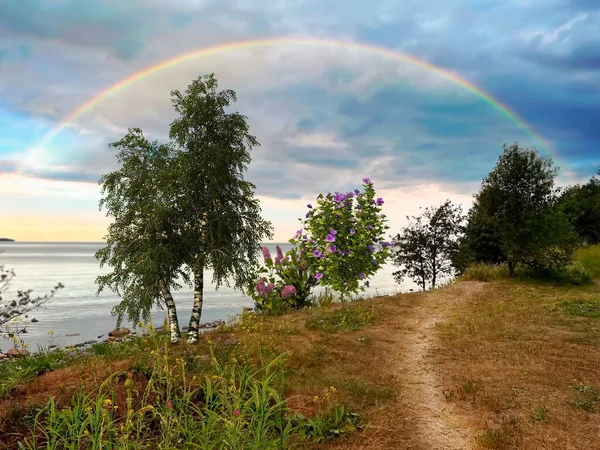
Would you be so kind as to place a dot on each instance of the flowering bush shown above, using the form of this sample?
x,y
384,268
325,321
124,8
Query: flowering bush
x,y
284,282
342,239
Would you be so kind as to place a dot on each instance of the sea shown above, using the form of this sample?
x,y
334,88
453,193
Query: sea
x,y
76,309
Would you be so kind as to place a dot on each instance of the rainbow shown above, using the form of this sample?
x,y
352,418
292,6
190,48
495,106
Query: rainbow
x,y
308,41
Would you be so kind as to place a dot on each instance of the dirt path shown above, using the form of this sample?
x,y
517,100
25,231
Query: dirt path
x,y
438,423
420,418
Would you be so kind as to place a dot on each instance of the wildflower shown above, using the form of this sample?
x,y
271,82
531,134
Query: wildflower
x,y
318,276
288,291
169,404
333,232
331,249
333,389
380,201
86,433
237,412
309,206
266,253
352,231
317,253
361,276
107,402
356,191
330,238
366,180
307,214
279,256
371,248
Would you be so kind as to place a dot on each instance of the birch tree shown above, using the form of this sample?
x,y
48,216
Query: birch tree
x,y
223,227
143,244
425,248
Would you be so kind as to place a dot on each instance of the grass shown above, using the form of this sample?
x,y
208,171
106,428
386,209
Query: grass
x,y
511,354
516,359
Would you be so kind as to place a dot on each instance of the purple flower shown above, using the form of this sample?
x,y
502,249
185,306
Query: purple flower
x,y
371,248
330,238
317,253
288,291
356,191
370,227
298,233
366,180
303,266
384,244
331,249
339,197
380,201
309,206
318,276
279,252
334,232
266,253
361,276
352,231
375,263
357,206
349,195
307,214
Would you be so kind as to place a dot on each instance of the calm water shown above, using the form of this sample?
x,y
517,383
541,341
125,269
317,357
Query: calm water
x,y
77,309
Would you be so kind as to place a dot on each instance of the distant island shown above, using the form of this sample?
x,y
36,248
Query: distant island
x,y
6,240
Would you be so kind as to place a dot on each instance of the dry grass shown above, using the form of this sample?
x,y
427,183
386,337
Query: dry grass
x,y
510,356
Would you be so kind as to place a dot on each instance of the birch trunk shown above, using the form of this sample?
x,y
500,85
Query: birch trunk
x,y
172,315
197,310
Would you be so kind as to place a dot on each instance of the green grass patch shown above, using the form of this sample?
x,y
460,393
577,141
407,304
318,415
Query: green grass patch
x,y
347,318
582,308
22,369
539,413
503,437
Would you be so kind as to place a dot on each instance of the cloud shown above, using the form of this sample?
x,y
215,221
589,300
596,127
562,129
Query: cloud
x,y
326,116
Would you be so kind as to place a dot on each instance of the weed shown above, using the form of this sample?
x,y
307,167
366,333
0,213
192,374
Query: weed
x,y
587,397
319,350
539,413
504,436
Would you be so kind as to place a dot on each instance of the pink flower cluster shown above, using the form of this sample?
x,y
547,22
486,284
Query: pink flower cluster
x,y
264,289
288,291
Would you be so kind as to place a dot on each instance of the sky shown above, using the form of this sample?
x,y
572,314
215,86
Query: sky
x,y
326,114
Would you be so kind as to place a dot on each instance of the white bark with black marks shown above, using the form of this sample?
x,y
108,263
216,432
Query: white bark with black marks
x,y
197,310
172,315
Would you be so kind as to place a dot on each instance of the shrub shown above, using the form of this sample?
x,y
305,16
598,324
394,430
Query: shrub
x,y
485,272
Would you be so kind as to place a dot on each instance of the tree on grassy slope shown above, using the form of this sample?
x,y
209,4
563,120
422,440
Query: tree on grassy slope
x,y
144,245
223,227
425,248
581,204
518,200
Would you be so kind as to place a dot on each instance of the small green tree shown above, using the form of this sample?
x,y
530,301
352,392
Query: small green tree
x,y
426,247
519,201
144,243
581,204
223,224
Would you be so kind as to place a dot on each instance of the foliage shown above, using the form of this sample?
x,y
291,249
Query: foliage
x,y
581,204
283,283
232,406
342,239
589,257
330,424
143,246
182,207
519,202
425,248
485,272
24,301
